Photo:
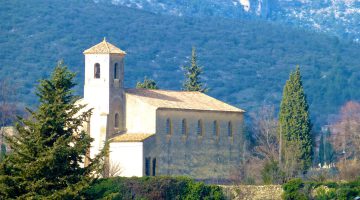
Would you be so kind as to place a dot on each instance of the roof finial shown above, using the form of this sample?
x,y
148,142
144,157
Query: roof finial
x,y
104,39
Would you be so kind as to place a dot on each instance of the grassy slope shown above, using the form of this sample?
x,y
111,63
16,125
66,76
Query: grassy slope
x,y
246,62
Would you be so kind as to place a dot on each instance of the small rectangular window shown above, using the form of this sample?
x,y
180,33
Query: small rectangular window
x,y
168,127
230,129
200,128
154,167
184,127
147,166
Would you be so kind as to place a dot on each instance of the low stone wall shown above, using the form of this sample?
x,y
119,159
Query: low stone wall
x,y
253,192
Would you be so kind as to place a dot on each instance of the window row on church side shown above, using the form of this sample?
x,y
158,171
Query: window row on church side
x,y
200,128
97,71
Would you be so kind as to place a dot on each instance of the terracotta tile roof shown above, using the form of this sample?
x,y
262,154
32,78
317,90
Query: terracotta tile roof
x,y
180,100
131,137
104,47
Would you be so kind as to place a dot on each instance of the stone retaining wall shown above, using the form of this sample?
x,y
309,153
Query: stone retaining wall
x,y
253,192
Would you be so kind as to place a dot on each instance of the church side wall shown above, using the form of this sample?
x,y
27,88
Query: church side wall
x,y
208,157
140,117
127,157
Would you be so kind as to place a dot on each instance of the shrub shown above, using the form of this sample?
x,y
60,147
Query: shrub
x,y
297,189
348,169
293,189
272,174
153,188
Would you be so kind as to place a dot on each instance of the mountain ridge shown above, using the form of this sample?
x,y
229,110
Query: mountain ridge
x,y
335,17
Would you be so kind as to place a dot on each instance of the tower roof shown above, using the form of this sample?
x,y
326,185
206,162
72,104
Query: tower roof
x,y
104,47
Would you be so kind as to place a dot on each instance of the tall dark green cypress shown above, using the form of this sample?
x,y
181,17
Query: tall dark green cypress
x,y
295,127
50,147
192,75
321,155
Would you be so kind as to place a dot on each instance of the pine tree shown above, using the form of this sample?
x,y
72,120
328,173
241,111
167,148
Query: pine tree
x,y
192,75
295,127
50,147
147,84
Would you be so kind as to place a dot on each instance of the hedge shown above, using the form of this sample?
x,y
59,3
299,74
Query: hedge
x,y
153,188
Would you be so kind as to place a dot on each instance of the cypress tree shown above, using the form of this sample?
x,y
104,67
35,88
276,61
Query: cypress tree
x,y
321,155
295,127
47,159
147,84
192,75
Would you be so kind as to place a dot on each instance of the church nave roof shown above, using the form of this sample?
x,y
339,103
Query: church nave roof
x,y
181,100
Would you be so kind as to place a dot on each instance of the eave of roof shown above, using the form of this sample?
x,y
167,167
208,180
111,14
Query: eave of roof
x,y
131,137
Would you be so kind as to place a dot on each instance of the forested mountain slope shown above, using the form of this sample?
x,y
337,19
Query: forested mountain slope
x,y
246,62
335,17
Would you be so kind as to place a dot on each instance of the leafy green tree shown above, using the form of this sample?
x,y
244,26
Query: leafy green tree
x,y
192,75
49,150
295,127
147,84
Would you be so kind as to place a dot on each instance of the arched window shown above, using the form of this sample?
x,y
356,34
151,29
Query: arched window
x,y
116,120
183,127
230,129
97,70
116,71
215,128
168,126
200,127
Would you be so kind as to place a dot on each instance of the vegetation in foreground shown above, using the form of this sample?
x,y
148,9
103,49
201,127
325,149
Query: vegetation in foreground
x,y
300,190
47,154
153,188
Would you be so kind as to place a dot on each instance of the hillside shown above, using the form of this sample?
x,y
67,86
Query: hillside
x,y
246,62
340,17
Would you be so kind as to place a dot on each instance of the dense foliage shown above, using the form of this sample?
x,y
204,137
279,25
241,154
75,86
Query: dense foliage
x,y
49,149
295,127
147,84
247,62
192,74
153,188
298,189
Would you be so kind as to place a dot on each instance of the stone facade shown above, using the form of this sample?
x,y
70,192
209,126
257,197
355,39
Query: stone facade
x,y
212,154
158,132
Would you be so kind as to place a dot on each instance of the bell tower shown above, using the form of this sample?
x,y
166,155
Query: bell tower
x,y
104,91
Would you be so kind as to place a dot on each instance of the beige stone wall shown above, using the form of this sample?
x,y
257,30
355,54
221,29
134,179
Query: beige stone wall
x,y
253,192
202,157
140,117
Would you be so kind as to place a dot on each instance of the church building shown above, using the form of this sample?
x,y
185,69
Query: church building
x,y
158,132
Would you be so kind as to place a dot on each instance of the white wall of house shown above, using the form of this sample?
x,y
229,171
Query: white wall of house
x,y
129,155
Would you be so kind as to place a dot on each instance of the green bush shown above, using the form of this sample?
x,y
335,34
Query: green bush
x,y
153,188
293,189
297,189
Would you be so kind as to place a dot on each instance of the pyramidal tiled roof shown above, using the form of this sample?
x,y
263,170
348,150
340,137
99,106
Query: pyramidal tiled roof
x,y
104,47
180,100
